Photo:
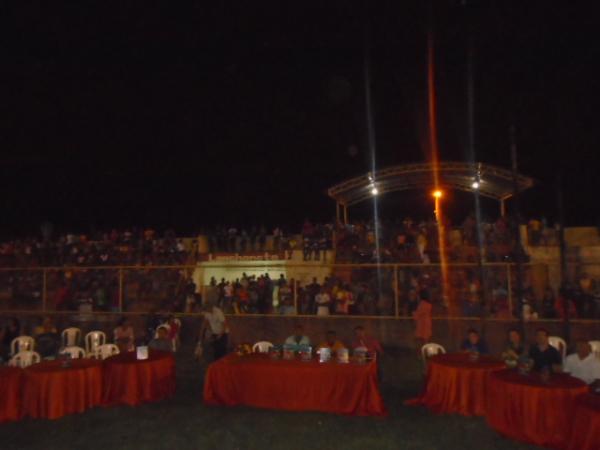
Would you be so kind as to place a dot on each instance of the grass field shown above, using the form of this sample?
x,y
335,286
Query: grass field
x,y
185,423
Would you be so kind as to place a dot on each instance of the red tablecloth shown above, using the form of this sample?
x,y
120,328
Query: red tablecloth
x,y
256,380
525,409
52,391
585,434
10,393
457,385
130,381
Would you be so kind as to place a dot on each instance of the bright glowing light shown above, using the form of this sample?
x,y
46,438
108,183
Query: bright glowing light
x,y
475,185
374,190
437,193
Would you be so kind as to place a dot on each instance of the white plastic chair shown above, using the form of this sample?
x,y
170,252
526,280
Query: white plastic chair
x,y
21,344
431,349
595,348
70,337
92,340
74,351
262,347
559,344
25,359
105,351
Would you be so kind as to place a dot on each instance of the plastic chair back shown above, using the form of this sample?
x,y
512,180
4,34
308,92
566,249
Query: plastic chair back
x,y
21,344
106,351
70,337
25,359
94,339
595,348
559,344
262,347
74,351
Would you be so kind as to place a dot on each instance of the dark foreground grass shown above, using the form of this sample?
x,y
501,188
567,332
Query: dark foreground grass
x,y
185,423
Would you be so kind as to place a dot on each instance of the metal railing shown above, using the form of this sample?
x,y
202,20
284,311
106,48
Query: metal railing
x,y
384,290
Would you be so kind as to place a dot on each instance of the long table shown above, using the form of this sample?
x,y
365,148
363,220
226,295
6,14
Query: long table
x,y
294,385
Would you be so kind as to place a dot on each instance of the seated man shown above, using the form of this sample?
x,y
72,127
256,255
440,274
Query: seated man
x,y
362,341
474,343
298,337
584,365
331,342
544,356
161,341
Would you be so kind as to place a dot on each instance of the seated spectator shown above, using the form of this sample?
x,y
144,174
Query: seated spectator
x,y
47,344
124,336
583,364
361,340
331,342
514,346
544,356
7,334
46,327
298,338
473,343
161,342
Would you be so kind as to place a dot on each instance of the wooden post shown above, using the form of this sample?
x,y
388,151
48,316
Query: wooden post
x,y
120,289
396,296
345,214
44,291
509,289
502,207
295,290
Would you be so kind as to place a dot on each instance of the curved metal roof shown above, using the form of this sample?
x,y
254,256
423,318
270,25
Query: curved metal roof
x,y
495,182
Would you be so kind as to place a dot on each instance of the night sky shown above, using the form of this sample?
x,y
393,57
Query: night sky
x,y
188,115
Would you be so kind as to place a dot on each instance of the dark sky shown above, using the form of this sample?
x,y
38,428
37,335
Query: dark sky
x,y
185,114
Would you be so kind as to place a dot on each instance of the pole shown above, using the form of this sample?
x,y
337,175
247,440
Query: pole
x,y
295,287
44,290
396,296
509,289
563,256
120,289
518,251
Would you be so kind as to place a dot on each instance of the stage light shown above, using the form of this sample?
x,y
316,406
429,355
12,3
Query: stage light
x,y
437,193
475,185
374,190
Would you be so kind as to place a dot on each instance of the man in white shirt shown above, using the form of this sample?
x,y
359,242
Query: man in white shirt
x,y
215,326
322,300
583,364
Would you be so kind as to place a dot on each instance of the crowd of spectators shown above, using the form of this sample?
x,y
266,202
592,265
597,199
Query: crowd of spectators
x,y
312,240
128,247
411,241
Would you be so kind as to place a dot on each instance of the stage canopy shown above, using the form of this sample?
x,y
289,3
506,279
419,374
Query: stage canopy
x,y
492,181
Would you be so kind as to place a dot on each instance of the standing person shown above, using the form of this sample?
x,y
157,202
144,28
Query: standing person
x,y
322,301
124,336
422,318
215,326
